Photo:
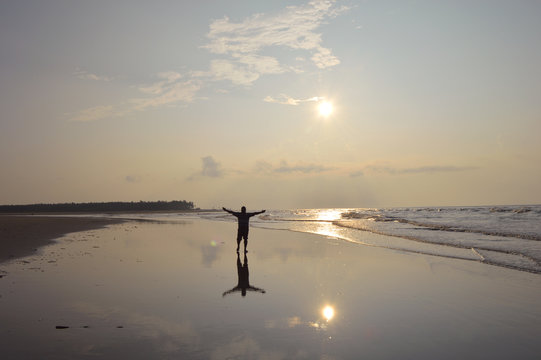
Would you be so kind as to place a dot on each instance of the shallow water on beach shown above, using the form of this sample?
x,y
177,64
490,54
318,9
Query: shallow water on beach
x,y
144,290
507,236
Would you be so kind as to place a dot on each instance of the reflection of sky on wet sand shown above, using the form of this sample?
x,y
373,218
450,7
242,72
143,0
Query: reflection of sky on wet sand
x,y
155,290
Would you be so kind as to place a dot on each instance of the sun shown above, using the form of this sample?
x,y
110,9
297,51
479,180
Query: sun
x,y
325,108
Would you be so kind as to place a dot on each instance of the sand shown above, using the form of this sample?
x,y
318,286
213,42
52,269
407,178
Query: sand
x,y
143,290
22,235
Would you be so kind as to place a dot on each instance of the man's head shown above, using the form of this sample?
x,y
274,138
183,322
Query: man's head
x,y
243,209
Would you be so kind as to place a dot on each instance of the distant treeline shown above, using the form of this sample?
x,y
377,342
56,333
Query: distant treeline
x,y
100,207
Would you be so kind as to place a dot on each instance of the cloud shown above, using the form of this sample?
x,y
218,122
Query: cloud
x,y
172,89
260,64
95,113
419,170
85,75
243,70
241,58
168,79
166,93
227,70
293,28
132,178
287,100
213,169
301,168
437,169
284,168
209,168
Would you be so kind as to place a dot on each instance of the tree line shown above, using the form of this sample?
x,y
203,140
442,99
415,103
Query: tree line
x,y
101,206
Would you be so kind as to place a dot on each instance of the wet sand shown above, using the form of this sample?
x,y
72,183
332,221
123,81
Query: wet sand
x,y
174,290
23,235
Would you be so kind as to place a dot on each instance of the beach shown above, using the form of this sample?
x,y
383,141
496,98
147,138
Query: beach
x,y
110,289
23,235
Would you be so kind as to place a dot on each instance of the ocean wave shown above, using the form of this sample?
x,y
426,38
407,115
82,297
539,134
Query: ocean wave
x,y
444,227
519,210
491,252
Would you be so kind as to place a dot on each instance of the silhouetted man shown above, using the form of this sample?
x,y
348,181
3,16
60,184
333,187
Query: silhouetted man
x,y
244,223
244,279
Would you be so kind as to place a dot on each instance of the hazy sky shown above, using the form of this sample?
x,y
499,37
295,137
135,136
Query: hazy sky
x,y
216,102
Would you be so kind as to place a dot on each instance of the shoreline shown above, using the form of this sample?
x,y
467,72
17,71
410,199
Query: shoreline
x,y
24,235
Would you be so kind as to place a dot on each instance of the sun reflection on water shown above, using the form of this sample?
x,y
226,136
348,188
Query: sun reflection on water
x,y
326,229
328,312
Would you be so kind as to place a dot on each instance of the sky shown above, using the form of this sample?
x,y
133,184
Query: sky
x,y
434,103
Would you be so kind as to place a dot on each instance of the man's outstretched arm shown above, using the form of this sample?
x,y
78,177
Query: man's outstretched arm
x,y
235,289
253,288
256,213
229,211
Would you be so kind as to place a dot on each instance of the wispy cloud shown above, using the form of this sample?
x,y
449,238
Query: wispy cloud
x,y
168,92
418,170
437,169
357,173
96,113
132,179
287,100
284,167
239,51
85,75
294,28
210,168
171,89
301,168
159,87
228,70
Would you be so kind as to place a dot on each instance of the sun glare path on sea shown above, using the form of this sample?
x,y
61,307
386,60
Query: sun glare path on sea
x,y
328,214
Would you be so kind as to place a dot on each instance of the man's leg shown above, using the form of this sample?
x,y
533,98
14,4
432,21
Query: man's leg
x,y
239,237
245,242
242,233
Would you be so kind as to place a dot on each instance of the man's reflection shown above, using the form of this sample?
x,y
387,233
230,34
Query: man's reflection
x,y
244,281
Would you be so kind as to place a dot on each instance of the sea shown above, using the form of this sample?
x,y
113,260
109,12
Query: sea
x,y
507,236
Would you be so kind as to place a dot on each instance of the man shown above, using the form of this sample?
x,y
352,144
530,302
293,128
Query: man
x,y
244,223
